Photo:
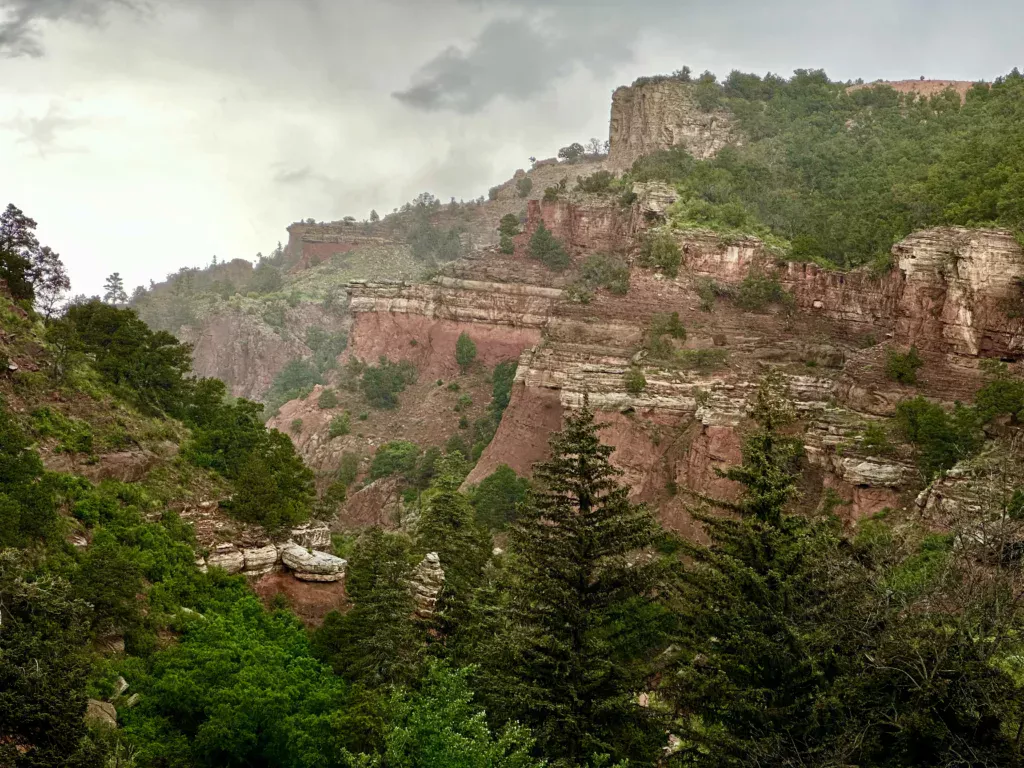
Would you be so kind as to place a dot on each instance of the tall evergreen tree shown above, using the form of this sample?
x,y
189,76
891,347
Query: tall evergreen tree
x,y
113,290
377,642
447,525
568,661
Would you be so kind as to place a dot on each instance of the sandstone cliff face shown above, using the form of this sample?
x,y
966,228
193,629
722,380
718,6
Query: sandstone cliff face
x,y
654,116
948,293
246,353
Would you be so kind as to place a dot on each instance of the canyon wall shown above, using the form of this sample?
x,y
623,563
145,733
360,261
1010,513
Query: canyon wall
x,y
652,116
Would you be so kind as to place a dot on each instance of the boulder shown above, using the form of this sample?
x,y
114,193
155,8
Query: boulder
x,y
310,565
260,560
228,557
312,535
101,713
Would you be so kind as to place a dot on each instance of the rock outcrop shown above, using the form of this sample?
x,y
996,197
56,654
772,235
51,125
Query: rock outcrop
x,y
310,565
651,116
426,583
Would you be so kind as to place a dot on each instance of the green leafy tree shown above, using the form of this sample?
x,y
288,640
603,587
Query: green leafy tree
x,y
18,247
498,497
902,367
44,668
395,458
374,217
465,351
274,488
438,726
561,660
547,250
28,512
940,438
572,153
241,688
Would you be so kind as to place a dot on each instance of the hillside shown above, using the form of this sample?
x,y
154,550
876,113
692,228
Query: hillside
x,y
701,451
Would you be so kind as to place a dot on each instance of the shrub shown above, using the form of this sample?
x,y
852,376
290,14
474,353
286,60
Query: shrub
x,y
507,245
73,435
274,488
294,381
1002,394
875,440
340,426
550,194
465,351
492,193
635,380
702,359
572,153
328,399
546,249
664,324
524,185
296,426
758,290
708,290
381,384
497,499
660,251
509,225
941,438
579,292
464,403
395,458
598,183
601,270
902,367
348,469
501,388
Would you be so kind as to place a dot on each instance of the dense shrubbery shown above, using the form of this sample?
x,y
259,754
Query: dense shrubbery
x,y
760,290
597,183
634,380
902,366
941,438
382,383
660,251
296,380
844,175
465,351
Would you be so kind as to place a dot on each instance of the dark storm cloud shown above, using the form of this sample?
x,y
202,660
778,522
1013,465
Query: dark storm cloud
x,y
515,59
20,20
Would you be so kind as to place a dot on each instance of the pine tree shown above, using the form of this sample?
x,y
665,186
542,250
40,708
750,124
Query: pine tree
x,y
574,652
465,351
113,290
546,249
759,610
377,642
447,525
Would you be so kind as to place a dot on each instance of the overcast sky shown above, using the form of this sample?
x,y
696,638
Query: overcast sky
x,y
146,135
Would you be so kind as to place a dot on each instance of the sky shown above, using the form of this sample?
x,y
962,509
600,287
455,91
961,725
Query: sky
x,y
148,135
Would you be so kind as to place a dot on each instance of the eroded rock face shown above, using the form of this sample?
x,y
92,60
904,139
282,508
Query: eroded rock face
x,y
654,116
312,535
259,560
226,556
101,713
246,353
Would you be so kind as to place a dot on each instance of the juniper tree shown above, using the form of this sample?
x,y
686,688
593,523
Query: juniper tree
x,y
545,248
574,650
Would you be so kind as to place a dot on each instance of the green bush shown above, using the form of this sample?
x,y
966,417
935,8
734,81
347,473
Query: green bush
x,y
902,367
524,186
395,458
296,426
328,399
665,324
28,511
635,380
348,468
550,194
509,225
875,440
708,290
940,438
381,384
73,435
340,426
296,380
506,245
1002,394
598,183
547,250
702,359
496,500
660,251
601,270
759,290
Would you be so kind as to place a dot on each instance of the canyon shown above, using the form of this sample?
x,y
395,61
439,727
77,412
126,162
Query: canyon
x,y
953,294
